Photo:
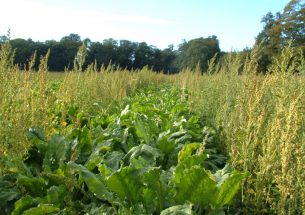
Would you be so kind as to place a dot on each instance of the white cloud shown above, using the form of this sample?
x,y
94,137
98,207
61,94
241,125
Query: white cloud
x,y
33,19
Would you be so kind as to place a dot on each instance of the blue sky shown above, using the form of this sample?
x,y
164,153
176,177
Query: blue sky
x,y
157,22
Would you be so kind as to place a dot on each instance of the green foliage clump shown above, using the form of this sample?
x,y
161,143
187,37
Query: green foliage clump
x,y
152,157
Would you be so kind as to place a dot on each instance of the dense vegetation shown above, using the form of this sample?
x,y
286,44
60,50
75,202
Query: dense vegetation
x,y
152,157
104,139
256,124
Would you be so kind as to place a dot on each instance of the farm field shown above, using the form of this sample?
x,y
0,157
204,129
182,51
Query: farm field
x,y
119,142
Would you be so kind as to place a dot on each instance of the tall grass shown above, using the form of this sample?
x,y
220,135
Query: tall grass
x,y
260,118
43,99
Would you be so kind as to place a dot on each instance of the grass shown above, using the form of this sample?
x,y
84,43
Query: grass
x,y
260,119
261,123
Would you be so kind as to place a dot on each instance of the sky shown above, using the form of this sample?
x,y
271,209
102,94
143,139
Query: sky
x,y
236,23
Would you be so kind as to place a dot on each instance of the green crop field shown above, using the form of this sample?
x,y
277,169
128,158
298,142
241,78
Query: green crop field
x,y
112,141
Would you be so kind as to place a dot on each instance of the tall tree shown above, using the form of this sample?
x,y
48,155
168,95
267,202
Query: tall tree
x,y
197,52
281,28
23,51
69,45
293,21
110,47
143,55
104,53
57,59
126,53
168,57
271,39
71,37
271,35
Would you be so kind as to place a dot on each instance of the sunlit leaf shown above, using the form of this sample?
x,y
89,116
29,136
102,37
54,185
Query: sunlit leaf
x,y
194,185
41,210
126,184
95,184
23,204
178,210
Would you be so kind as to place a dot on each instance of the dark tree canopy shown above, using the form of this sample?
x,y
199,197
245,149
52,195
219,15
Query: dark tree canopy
x,y
197,52
71,37
293,21
120,53
280,29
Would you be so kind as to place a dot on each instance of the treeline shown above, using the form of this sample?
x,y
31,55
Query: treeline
x,y
120,53
280,29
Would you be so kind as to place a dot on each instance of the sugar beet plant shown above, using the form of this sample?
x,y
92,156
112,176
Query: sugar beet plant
x,y
152,157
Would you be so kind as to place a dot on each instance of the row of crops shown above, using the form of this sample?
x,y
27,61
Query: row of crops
x,y
149,155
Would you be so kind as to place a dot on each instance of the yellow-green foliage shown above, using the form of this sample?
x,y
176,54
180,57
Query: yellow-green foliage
x,y
260,118
30,98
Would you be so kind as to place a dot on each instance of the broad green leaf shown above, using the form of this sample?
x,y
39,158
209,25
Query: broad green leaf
x,y
8,189
35,133
148,153
95,184
72,110
178,210
141,130
55,154
156,190
126,184
57,178
15,165
96,156
164,144
215,160
84,146
56,195
216,212
177,134
113,160
188,150
119,139
186,164
36,186
38,149
104,170
187,138
34,160
193,124
7,195
228,189
101,210
179,109
41,210
93,161
222,174
140,164
195,185
23,204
